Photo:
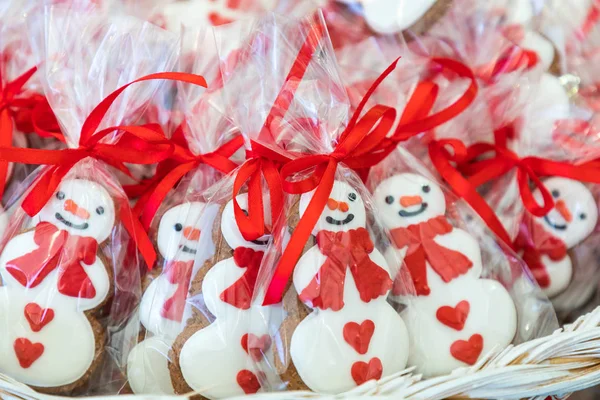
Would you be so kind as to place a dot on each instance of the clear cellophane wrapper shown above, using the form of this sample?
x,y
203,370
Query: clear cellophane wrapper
x,y
333,328
174,308
70,272
472,292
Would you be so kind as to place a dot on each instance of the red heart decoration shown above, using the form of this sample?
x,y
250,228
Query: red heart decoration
x,y
359,336
467,351
27,352
248,381
37,316
454,317
363,372
256,346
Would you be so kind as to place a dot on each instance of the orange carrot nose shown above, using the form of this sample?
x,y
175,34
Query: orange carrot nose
x,y
407,201
332,204
73,208
562,209
191,233
343,207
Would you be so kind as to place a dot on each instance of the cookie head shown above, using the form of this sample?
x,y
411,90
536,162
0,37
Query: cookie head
x,y
82,208
231,231
575,212
180,230
345,209
408,199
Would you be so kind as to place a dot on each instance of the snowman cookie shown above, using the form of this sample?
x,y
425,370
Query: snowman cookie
x,y
544,241
349,333
184,241
392,16
448,317
216,355
55,279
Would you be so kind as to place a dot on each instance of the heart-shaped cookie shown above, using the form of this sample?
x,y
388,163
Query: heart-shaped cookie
x,y
467,351
454,317
27,352
359,336
37,316
363,372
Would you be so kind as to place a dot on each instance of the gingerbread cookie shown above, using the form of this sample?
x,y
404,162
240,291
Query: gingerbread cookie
x,y
216,354
391,16
55,280
454,317
184,241
344,333
544,241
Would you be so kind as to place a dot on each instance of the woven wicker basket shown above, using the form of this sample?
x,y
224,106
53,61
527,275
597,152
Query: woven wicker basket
x,y
564,362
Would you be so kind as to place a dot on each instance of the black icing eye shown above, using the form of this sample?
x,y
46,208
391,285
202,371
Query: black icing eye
x,y
389,199
582,216
60,195
178,227
555,193
426,188
351,196
245,212
100,210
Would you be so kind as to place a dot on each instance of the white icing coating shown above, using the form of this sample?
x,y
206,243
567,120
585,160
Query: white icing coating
x,y
67,337
321,355
390,16
573,219
542,46
185,236
82,208
345,205
148,368
231,231
576,203
213,360
549,104
519,12
490,311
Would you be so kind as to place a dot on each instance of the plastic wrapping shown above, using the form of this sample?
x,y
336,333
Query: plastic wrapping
x,y
70,282
472,293
331,328
173,305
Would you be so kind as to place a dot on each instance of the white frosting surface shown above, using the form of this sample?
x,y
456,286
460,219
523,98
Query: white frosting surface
x,y
459,335
390,16
148,368
542,46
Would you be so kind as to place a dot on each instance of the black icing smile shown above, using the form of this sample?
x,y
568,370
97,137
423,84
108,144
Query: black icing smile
x,y
261,242
404,213
83,226
186,249
333,221
555,225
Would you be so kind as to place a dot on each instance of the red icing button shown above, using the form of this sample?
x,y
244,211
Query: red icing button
x,y
27,352
454,317
359,336
37,316
248,381
467,351
363,372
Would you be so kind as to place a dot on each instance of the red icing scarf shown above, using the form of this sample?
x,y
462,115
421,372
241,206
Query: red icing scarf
x,y
240,293
535,242
57,249
422,248
345,250
179,273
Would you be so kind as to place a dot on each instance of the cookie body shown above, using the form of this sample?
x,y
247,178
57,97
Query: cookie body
x,y
54,280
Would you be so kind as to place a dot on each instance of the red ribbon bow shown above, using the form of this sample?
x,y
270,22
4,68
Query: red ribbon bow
x,y
182,161
345,250
146,145
57,249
